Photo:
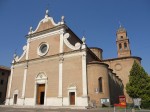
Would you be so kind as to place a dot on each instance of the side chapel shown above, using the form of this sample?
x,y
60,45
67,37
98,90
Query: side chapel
x,y
57,68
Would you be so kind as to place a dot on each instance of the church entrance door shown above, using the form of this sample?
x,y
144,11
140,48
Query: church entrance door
x,y
15,98
72,98
40,94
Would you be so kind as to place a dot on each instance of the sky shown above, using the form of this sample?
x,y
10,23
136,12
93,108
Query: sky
x,y
97,20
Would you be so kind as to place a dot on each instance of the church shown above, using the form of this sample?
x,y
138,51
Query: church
x,y
57,68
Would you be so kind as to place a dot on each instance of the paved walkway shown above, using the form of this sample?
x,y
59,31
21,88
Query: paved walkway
x,y
51,109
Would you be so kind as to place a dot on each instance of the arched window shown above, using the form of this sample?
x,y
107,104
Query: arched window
x,y
100,84
125,45
120,46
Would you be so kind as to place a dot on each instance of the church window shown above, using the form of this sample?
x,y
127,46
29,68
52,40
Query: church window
x,y
120,46
125,45
3,73
43,49
121,37
0,94
2,82
100,84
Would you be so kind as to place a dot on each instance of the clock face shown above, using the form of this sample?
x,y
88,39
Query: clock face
x,y
118,66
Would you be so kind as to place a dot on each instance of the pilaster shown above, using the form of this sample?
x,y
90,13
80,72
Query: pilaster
x,y
84,74
61,41
27,52
10,81
9,86
61,59
24,81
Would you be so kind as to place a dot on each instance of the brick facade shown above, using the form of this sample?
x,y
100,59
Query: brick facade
x,y
61,68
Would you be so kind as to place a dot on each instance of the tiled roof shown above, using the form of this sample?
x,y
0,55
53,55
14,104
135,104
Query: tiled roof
x,y
4,67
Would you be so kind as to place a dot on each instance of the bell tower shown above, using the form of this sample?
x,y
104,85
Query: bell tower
x,y
122,41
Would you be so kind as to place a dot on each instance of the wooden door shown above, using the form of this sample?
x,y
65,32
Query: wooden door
x,y
40,93
15,98
72,98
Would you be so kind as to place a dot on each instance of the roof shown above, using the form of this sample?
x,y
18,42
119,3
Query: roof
x,y
96,48
121,29
127,57
98,62
4,67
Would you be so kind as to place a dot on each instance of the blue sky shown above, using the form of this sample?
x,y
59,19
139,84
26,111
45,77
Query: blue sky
x,y
98,19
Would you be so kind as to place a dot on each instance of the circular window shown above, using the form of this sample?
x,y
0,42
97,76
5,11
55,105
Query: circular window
x,y
43,49
118,66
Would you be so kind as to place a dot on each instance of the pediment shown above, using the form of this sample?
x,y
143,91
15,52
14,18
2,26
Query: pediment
x,y
44,24
40,76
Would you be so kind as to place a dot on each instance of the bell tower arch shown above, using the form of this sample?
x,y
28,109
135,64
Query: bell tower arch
x,y
122,41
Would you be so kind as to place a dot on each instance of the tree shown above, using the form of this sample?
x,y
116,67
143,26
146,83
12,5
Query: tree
x,y
139,83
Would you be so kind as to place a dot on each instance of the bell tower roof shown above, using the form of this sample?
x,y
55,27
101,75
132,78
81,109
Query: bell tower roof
x,y
121,29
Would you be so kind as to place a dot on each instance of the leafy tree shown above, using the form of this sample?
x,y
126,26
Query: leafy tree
x,y
139,84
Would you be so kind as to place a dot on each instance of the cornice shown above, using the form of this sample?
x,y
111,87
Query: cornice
x,y
128,57
51,56
99,63
46,31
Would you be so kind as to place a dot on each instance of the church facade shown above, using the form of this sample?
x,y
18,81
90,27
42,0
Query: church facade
x,y
59,69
